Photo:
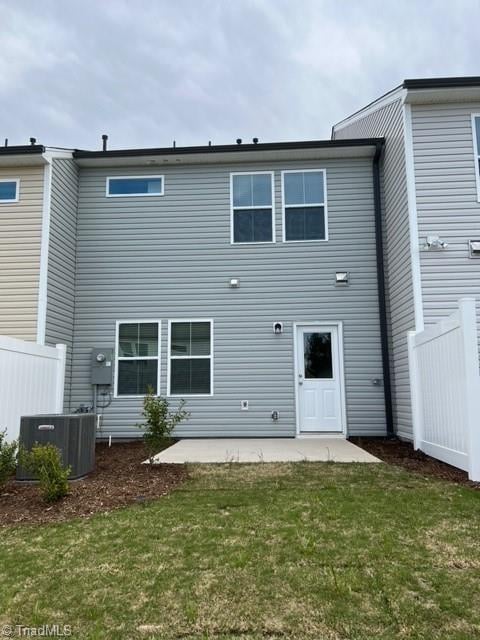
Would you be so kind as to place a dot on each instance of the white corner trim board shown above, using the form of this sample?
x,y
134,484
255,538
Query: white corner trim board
x,y
412,217
45,241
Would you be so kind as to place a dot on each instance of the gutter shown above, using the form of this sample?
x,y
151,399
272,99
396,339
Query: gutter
x,y
228,148
382,302
29,149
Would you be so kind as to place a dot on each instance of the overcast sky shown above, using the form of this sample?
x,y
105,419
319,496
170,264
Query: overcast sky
x,y
150,71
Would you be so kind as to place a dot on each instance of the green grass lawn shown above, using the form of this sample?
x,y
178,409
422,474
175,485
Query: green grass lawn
x,y
304,550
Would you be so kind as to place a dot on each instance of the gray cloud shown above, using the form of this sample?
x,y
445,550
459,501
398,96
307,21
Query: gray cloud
x,y
150,71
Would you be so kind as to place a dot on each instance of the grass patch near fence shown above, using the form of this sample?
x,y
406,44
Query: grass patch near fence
x,y
296,551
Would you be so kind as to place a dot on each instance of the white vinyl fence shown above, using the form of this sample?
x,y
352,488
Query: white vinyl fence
x,y
32,378
445,388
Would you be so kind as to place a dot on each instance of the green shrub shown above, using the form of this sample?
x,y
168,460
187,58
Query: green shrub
x,y
8,457
45,461
159,421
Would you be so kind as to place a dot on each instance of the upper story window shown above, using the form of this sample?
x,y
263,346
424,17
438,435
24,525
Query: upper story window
x,y
9,190
304,205
135,186
190,358
137,358
476,147
252,207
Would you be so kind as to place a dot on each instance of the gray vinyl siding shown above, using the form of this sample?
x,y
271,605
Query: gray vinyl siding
x,y
20,245
61,260
170,257
447,205
388,122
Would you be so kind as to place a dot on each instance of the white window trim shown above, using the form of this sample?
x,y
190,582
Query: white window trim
x,y
253,208
118,358
169,358
476,152
133,195
17,190
310,204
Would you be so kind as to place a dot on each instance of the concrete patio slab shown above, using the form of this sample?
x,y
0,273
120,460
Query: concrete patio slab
x,y
218,450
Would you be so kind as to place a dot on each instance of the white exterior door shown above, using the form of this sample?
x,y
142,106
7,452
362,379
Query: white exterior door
x,y
319,381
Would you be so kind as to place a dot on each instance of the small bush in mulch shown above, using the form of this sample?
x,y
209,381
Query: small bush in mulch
x,y
119,479
403,454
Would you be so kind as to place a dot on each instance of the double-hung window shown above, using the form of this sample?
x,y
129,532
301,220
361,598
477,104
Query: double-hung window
x,y
304,205
252,207
138,358
190,370
476,147
9,190
135,186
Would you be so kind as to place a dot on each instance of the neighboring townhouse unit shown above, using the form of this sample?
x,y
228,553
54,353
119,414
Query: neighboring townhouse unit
x,y
243,278
37,245
431,194
22,171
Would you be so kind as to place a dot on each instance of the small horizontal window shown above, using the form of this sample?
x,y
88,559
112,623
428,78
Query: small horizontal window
x,y
252,208
304,205
190,358
8,191
137,358
135,186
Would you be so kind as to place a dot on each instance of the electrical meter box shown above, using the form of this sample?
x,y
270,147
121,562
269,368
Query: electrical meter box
x,y
101,366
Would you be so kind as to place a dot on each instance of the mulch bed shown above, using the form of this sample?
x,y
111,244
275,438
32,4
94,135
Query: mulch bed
x,y
401,453
119,479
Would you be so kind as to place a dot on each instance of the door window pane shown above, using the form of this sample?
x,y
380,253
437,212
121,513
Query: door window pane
x,y
317,350
136,376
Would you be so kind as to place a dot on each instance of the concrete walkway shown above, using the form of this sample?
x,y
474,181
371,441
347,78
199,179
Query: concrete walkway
x,y
264,450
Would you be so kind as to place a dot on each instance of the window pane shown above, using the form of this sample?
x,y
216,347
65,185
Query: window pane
x,y
305,223
317,349
148,339
313,181
262,225
190,376
180,339
252,225
138,340
200,339
293,186
242,226
8,190
477,129
134,186
242,191
261,190
127,340
135,376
